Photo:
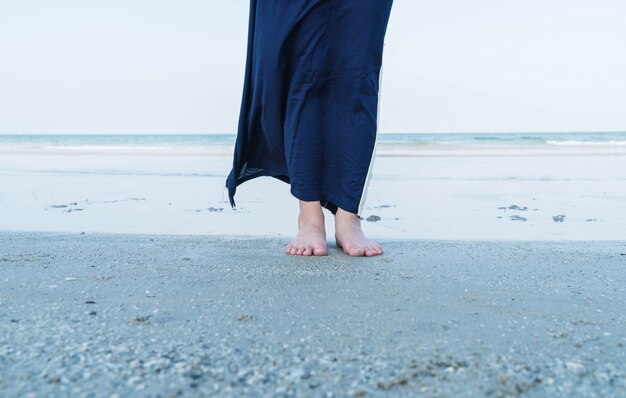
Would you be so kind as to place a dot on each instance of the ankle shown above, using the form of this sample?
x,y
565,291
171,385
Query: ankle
x,y
310,214
344,216
346,221
310,220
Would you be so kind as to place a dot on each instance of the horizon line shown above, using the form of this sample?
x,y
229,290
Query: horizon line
x,y
380,133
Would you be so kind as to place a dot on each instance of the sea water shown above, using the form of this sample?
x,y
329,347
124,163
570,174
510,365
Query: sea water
x,y
388,143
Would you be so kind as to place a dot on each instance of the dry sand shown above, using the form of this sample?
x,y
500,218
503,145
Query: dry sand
x,y
157,315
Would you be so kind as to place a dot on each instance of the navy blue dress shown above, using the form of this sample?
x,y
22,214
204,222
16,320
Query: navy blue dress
x,y
309,112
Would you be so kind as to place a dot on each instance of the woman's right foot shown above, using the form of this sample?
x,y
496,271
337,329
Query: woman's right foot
x,y
311,238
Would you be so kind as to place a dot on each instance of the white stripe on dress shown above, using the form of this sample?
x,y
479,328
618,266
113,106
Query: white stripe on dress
x,y
369,170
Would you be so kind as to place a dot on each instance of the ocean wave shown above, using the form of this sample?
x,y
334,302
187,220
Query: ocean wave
x,y
112,149
146,148
586,143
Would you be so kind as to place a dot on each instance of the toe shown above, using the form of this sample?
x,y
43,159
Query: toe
x,y
375,249
308,250
357,252
320,251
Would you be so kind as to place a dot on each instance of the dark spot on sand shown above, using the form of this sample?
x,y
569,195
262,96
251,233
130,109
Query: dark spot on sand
x,y
58,206
517,218
25,257
373,218
516,207
558,218
90,302
244,317
139,320
194,373
99,277
211,209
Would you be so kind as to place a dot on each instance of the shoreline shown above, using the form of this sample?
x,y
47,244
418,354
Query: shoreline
x,y
381,151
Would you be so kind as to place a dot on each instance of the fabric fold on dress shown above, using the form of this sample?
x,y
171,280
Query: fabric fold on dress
x,y
309,110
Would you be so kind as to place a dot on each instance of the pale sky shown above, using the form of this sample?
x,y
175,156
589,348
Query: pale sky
x,y
155,66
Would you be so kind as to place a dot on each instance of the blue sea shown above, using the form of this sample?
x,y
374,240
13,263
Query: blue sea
x,y
223,143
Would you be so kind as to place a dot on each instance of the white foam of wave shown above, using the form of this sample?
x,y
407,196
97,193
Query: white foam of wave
x,y
586,143
112,149
133,148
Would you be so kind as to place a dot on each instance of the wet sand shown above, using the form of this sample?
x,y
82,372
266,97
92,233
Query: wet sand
x,y
502,197
102,314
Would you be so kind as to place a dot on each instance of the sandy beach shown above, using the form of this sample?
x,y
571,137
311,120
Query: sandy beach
x,y
125,272
496,188
157,315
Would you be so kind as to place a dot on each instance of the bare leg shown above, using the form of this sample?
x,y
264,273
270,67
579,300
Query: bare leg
x,y
350,236
311,238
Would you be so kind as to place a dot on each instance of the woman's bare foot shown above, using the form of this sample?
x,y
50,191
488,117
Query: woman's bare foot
x,y
311,238
350,236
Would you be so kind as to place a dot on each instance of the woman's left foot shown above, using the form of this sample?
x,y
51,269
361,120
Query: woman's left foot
x,y
350,236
